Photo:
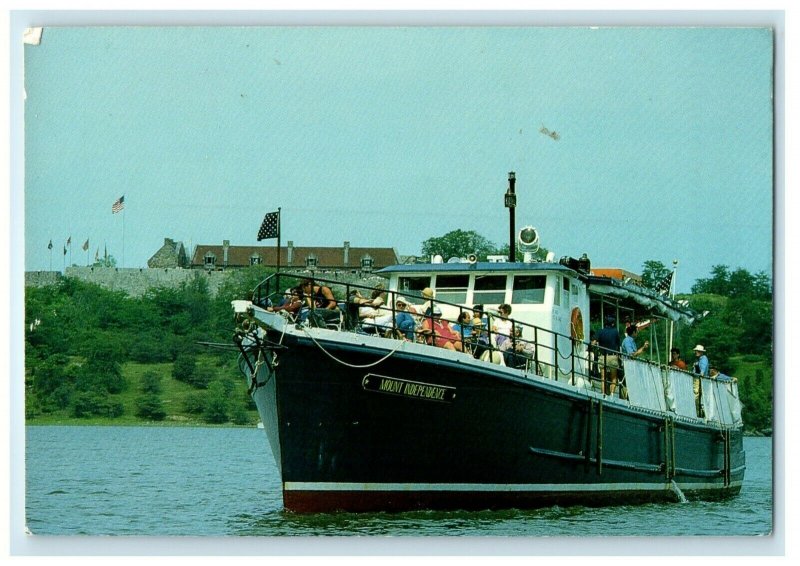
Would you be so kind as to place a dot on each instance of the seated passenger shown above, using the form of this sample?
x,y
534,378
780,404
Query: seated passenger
x,y
323,302
521,353
438,331
480,335
321,295
502,327
463,325
370,309
291,304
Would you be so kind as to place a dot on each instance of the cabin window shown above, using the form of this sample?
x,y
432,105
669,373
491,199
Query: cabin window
x,y
311,260
413,286
529,289
366,263
489,290
210,260
452,288
255,259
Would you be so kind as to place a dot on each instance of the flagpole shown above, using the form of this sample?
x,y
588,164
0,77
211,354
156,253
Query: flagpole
x,y
672,296
123,237
278,265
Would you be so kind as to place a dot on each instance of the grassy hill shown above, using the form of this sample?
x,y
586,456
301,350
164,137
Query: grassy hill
x,y
183,403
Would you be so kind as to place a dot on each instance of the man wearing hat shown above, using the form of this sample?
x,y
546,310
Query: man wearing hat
x,y
701,365
701,368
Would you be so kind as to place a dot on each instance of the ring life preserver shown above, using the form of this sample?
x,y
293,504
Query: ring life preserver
x,y
576,324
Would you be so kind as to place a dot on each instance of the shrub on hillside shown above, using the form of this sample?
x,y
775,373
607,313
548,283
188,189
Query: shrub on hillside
x,y
151,382
216,410
149,406
92,404
195,402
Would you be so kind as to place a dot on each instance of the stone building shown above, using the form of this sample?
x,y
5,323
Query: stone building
x,y
344,258
171,254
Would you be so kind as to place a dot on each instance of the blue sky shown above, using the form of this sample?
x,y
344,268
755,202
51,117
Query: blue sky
x,y
388,136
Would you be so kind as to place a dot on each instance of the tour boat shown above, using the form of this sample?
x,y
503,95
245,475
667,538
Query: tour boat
x,y
361,418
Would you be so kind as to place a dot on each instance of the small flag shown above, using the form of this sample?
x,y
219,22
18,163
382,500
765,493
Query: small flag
x,y
270,227
69,241
97,254
65,250
663,286
118,205
86,245
50,245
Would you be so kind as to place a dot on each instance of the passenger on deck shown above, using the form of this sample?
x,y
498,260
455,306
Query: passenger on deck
x,y
480,334
629,344
701,365
700,368
608,340
321,295
675,360
502,327
370,310
438,331
403,320
323,301
715,374
463,325
521,353
291,303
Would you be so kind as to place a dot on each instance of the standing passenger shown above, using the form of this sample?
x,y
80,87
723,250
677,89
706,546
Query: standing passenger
x,y
700,368
608,340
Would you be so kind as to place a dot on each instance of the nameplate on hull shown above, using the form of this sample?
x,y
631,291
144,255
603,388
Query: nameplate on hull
x,y
406,388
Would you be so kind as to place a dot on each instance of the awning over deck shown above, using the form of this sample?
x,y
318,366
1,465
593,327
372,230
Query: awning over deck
x,y
646,299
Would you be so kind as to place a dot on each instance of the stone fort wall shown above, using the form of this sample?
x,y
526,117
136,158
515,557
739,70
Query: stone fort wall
x,y
131,280
136,281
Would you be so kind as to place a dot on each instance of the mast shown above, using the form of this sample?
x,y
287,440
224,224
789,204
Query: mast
x,y
511,204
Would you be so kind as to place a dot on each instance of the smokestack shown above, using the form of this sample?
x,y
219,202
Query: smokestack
x,y
225,245
289,252
511,204
346,254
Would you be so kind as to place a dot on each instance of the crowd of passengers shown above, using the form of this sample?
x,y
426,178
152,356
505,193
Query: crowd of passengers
x,y
472,332
421,323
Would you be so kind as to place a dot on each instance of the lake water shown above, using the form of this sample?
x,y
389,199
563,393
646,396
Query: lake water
x,y
222,481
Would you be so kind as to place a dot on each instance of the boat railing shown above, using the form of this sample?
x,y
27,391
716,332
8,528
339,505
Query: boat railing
x,y
530,348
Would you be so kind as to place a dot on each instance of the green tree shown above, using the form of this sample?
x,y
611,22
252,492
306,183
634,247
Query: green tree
x,y
458,243
151,382
216,407
653,272
150,406
184,367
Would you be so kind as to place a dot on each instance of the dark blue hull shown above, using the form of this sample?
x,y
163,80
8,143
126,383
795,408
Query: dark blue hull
x,y
357,427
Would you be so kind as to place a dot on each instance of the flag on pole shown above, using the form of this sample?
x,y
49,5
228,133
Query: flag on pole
x,y
97,254
86,245
663,286
118,205
50,245
65,250
69,241
270,227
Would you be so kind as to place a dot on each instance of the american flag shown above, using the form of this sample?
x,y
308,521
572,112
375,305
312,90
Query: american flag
x,y
663,286
270,228
118,205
